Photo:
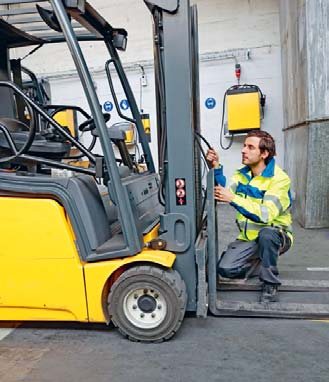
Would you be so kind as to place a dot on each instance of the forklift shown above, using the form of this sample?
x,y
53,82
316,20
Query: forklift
x,y
146,256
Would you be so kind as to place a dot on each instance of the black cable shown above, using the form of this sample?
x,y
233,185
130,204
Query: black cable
x,y
141,88
162,105
202,219
205,166
221,134
201,150
203,138
203,207
32,51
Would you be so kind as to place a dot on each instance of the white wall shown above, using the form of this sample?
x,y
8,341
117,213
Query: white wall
x,y
226,28
263,69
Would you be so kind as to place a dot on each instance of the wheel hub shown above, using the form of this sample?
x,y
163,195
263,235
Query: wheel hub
x,y
145,308
147,303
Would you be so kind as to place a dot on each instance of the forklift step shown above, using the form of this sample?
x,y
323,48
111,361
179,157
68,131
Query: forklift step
x,y
272,310
296,299
287,285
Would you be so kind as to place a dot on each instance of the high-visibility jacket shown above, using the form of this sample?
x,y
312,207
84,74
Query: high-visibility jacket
x,y
261,201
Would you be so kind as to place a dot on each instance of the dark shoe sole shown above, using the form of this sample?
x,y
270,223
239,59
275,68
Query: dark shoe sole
x,y
267,300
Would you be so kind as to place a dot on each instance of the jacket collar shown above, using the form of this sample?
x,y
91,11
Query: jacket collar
x,y
267,173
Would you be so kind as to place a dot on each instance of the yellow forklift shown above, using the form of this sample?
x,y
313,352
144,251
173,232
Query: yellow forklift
x,y
148,256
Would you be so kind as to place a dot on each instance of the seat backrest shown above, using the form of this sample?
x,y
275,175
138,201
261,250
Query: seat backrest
x,y
89,203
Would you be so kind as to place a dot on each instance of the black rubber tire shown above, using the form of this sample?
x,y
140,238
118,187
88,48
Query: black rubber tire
x,y
167,283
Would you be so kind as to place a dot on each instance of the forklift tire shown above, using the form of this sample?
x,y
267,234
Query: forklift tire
x,y
148,303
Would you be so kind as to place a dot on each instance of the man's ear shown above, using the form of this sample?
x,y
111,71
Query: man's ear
x,y
264,154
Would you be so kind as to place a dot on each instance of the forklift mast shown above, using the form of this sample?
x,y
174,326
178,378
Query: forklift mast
x,y
177,96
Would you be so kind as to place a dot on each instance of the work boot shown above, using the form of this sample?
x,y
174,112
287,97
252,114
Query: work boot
x,y
269,293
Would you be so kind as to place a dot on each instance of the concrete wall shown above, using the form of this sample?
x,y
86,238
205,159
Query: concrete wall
x,y
305,50
226,29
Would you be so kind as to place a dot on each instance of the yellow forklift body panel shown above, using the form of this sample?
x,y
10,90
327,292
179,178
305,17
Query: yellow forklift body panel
x,y
41,276
97,274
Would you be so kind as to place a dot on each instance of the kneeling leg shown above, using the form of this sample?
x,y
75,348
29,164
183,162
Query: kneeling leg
x,y
237,260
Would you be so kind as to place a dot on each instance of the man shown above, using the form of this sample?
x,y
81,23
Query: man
x,y
260,192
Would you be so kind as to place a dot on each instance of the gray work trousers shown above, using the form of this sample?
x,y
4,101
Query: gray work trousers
x,y
259,257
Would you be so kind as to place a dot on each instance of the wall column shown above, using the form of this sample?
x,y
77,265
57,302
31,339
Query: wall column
x,y
305,73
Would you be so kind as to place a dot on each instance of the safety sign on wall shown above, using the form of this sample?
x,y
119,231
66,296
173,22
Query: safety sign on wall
x,y
210,103
108,106
124,104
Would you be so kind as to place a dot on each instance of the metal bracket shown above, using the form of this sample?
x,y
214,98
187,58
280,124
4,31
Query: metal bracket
x,y
176,230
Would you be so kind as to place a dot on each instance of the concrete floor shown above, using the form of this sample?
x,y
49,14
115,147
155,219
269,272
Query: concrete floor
x,y
212,349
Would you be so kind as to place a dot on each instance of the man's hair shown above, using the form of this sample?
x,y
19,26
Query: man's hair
x,y
266,143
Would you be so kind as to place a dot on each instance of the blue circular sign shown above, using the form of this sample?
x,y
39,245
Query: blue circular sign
x,y
124,104
210,103
108,106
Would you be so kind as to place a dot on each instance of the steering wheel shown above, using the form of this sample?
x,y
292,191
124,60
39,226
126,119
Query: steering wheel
x,y
89,124
28,143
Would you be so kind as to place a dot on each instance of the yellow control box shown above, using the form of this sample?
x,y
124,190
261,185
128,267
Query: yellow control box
x,y
130,134
243,110
147,125
68,118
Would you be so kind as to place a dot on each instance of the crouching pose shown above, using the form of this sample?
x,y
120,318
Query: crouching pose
x,y
260,192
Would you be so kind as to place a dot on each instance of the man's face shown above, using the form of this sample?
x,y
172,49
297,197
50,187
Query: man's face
x,y
251,155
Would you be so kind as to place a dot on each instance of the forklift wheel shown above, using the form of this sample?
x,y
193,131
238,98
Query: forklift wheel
x,y
148,303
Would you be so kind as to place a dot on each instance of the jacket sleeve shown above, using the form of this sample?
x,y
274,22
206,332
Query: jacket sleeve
x,y
220,178
276,200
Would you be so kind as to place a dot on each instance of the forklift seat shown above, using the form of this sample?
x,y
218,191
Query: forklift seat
x,y
40,147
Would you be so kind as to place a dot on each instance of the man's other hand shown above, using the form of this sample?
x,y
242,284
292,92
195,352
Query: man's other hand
x,y
222,194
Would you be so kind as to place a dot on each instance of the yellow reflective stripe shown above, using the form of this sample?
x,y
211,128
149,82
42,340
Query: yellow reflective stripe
x,y
264,213
258,227
251,226
275,200
233,187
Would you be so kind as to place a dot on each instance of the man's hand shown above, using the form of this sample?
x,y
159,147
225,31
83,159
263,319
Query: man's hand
x,y
212,158
222,194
